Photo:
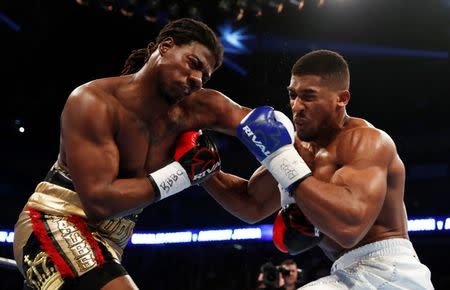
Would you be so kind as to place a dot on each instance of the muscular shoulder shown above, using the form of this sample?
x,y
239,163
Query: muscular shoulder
x,y
208,108
306,151
209,99
90,105
89,98
365,143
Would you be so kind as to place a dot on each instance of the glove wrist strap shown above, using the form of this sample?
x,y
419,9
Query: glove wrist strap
x,y
294,185
286,166
169,180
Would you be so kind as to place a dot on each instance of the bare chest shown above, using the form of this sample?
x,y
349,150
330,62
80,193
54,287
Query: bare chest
x,y
325,164
144,148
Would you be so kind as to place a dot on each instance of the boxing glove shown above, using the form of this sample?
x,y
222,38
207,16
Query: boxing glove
x,y
269,135
293,233
196,159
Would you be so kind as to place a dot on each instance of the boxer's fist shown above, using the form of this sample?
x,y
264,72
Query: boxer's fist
x,y
264,131
196,159
293,233
198,155
269,135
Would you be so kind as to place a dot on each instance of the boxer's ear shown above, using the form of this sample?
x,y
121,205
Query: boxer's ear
x,y
343,98
165,45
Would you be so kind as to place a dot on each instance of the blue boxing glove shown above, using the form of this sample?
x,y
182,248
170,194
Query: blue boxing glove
x,y
269,135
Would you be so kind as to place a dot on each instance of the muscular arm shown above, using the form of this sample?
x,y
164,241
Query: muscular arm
x,y
208,108
92,157
346,207
252,200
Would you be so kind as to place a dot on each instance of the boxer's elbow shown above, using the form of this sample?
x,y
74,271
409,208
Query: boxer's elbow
x,y
96,207
250,219
347,238
350,235
96,213
254,213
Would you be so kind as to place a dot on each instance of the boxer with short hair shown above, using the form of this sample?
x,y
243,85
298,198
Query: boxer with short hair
x,y
343,174
118,154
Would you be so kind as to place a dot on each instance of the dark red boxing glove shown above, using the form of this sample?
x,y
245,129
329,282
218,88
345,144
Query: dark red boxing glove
x,y
198,155
196,159
293,233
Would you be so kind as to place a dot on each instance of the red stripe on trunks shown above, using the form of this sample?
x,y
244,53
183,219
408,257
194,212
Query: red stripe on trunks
x,y
80,223
47,245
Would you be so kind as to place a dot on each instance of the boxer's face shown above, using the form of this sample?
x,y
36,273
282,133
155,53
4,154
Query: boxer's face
x,y
313,105
183,69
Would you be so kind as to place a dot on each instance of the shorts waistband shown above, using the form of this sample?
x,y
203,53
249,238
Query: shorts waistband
x,y
56,176
380,248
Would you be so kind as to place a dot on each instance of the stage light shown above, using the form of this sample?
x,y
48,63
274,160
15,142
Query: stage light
x,y
255,8
239,12
173,10
233,43
299,3
436,225
320,3
151,10
83,2
277,5
107,5
233,39
193,11
128,7
225,6
242,4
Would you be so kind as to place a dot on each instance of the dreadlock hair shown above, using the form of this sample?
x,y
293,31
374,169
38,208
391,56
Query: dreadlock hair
x,y
182,31
330,65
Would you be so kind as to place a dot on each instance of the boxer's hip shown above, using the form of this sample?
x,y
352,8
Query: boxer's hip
x,y
64,222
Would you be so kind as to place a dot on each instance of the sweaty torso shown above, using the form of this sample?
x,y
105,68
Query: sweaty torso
x,y
143,145
391,221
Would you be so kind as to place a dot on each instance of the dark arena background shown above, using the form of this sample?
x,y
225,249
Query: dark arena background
x,y
398,56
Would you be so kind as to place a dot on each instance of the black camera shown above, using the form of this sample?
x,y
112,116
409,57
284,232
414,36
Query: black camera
x,y
271,277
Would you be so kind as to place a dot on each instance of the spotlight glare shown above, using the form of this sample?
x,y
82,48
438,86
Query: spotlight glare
x,y
240,14
233,38
241,5
21,129
194,13
225,5
277,5
301,4
129,7
107,5
82,2
173,10
255,8
280,8
151,11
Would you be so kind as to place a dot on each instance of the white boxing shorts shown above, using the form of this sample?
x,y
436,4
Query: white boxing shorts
x,y
383,265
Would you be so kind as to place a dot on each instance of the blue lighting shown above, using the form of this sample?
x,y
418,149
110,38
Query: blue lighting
x,y
234,66
233,39
203,235
298,45
14,26
233,44
254,233
6,237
